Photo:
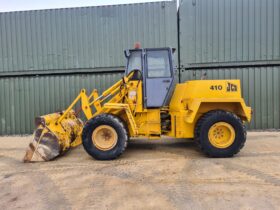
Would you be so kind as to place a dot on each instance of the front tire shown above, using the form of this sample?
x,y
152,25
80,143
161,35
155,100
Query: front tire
x,y
220,134
105,137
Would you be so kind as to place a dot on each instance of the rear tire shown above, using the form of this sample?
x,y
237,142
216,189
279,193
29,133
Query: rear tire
x,y
99,149
210,134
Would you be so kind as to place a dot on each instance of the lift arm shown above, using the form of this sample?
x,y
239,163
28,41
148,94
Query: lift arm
x,y
86,102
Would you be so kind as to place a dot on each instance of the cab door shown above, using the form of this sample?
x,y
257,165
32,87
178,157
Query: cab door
x,y
159,80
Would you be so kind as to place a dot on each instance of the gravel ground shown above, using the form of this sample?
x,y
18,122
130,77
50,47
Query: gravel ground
x,y
167,174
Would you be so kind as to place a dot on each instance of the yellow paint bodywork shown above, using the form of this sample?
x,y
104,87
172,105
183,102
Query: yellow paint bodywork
x,y
221,135
193,98
125,99
147,120
67,131
104,137
148,123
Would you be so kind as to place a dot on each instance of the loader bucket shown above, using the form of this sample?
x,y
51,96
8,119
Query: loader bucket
x,y
53,137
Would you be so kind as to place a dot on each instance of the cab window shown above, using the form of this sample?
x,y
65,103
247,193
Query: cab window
x,y
158,63
134,61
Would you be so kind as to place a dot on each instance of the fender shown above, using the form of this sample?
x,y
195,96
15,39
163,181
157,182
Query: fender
x,y
202,105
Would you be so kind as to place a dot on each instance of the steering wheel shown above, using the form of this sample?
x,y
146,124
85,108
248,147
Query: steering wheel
x,y
137,74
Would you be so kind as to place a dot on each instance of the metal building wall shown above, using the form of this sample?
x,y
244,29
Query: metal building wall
x,y
82,38
24,98
235,39
216,31
47,56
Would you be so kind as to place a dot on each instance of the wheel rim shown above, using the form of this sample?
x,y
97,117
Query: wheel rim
x,y
221,135
104,137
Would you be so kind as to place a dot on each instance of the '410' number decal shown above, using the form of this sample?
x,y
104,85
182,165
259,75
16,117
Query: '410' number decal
x,y
216,87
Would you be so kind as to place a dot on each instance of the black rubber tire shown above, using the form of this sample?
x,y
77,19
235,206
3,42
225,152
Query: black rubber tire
x,y
202,128
120,128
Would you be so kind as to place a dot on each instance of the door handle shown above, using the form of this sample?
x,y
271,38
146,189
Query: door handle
x,y
166,81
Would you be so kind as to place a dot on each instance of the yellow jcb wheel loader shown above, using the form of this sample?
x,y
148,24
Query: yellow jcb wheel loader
x,y
147,103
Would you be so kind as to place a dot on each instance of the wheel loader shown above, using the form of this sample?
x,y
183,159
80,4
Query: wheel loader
x,y
146,103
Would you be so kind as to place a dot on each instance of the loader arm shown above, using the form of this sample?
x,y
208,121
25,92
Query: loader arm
x,y
86,103
57,132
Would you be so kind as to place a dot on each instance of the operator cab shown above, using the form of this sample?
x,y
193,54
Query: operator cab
x,y
154,66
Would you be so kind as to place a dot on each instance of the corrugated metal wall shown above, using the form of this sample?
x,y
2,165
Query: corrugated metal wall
x,y
24,98
229,31
235,39
89,41
83,38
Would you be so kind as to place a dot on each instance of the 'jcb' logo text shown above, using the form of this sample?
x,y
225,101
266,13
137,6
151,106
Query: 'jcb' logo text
x,y
231,87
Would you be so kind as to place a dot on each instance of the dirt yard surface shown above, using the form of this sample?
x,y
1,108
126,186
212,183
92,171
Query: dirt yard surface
x,y
149,175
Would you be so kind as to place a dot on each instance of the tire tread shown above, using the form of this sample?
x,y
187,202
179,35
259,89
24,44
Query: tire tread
x,y
105,117
204,118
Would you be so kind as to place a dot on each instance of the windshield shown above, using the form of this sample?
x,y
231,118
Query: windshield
x,y
134,61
